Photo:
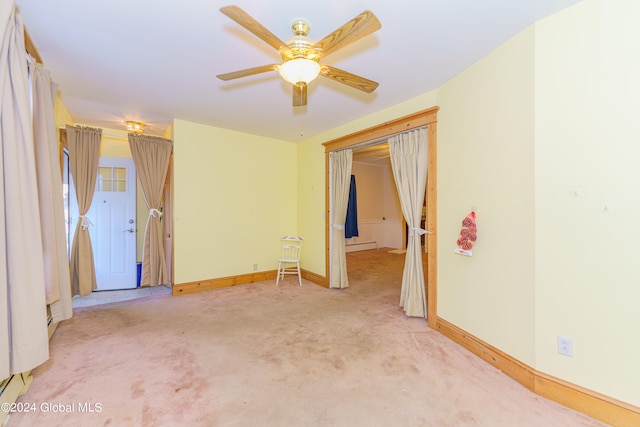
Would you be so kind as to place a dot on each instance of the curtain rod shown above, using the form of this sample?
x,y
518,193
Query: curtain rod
x,y
31,48
382,139
113,135
124,136
63,131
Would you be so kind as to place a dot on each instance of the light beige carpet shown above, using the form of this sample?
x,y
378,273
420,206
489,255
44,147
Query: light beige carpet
x,y
261,355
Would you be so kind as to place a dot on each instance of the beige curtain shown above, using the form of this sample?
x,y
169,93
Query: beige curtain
x,y
151,156
340,181
24,341
84,152
56,261
409,156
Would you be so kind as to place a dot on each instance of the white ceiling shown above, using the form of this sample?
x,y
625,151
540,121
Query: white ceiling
x,y
153,61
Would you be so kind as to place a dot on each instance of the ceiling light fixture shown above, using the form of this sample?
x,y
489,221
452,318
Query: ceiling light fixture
x,y
135,127
299,70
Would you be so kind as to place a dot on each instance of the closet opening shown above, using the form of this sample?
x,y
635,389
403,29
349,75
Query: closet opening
x,y
367,140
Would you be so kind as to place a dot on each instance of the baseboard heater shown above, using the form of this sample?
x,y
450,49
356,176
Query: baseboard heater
x,y
18,384
360,246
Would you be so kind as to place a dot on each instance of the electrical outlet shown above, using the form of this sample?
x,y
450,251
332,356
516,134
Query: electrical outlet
x,y
565,346
255,267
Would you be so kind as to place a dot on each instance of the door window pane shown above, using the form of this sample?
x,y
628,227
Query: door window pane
x,y
120,173
105,173
106,185
112,179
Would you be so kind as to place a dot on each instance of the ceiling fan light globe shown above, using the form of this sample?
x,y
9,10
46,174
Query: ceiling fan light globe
x,y
299,70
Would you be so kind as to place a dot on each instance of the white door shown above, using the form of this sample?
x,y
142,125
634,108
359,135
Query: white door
x,y
113,213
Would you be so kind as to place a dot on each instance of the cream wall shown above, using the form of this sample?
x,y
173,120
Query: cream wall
x,y
392,209
396,227
369,183
587,195
235,196
379,213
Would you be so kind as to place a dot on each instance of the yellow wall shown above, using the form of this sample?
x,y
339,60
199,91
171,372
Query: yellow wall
x,y
311,205
60,113
486,164
114,144
235,196
587,195
539,136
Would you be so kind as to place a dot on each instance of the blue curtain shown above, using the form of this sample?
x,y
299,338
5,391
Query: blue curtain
x,y
351,223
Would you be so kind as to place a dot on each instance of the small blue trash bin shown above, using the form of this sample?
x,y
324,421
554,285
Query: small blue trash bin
x,y
139,274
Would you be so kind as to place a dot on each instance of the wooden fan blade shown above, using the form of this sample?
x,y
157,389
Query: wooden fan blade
x,y
300,94
348,79
242,18
360,26
247,72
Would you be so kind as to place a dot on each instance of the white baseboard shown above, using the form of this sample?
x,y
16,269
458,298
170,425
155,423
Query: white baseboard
x,y
360,246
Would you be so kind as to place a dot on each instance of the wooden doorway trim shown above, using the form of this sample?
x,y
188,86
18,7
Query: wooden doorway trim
x,y
167,221
429,118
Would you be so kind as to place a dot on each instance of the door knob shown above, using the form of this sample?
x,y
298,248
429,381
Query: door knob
x,y
131,230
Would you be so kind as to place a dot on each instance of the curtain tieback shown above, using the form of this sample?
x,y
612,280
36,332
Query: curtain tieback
x,y
86,222
155,212
338,226
420,231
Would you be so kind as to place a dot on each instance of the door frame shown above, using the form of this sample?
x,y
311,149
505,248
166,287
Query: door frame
x,y
429,118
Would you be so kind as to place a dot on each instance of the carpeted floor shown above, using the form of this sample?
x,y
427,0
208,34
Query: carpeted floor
x,y
261,355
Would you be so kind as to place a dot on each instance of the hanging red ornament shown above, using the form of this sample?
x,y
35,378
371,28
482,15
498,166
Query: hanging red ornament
x,y
468,235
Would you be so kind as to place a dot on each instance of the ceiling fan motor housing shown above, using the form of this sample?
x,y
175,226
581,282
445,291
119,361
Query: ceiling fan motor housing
x,y
299,45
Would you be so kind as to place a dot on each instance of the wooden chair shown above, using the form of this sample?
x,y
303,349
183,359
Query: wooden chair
x,y
289,261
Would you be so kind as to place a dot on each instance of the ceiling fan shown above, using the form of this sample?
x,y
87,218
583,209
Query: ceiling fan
x,y
301,55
